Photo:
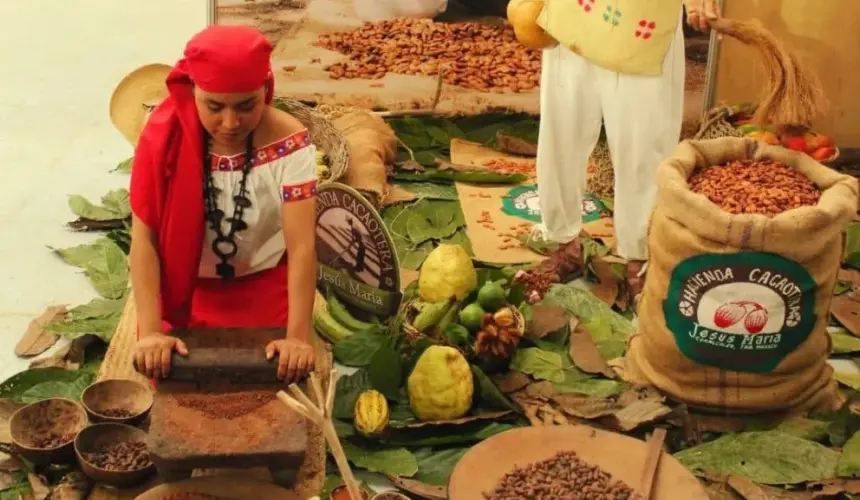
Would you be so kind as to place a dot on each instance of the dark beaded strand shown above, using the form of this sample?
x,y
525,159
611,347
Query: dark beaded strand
x,y
224,245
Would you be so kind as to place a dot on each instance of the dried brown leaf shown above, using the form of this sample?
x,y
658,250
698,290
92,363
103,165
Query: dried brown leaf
x,y
515,146
37,484
36,339
69,357
419,489
7,408
850,275
9,463
639,393
608,286
834,487
546,319
586,407
542,390
7,480
585,355
512,381
496,415
638,414
846,310
411,166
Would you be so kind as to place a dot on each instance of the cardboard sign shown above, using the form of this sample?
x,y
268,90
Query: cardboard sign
x,y
355,254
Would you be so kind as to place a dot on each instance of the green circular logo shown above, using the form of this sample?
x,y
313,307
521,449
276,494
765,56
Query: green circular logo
x,y
522,202
743,311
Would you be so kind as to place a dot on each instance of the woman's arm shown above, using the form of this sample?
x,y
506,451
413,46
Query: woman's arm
x,y
145,277
299,222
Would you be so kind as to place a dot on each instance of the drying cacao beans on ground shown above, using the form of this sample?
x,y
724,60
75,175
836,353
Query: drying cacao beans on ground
x,y
565,476
745,244
472,55
755,187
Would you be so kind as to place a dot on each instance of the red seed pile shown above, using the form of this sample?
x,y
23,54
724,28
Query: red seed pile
x,y
755,187
472,55
563,477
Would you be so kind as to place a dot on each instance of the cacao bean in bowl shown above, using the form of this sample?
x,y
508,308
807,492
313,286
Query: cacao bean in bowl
x,y
390,495
43,432
117,401
114,454
341,493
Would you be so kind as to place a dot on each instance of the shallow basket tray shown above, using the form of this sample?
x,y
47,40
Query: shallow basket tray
x,y
324,136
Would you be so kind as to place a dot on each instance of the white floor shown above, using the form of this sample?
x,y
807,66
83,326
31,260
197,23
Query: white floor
x,y
59,63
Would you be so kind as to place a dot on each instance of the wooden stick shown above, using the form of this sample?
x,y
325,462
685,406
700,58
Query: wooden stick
x,y
318,393
652,461
294,405
329,400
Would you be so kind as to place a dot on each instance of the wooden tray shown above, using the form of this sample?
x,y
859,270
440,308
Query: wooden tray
x,y
227,487
483,467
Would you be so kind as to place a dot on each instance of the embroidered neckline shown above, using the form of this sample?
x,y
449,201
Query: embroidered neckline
x,y
264,154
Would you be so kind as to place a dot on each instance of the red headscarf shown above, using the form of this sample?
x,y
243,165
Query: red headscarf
x,y
167,173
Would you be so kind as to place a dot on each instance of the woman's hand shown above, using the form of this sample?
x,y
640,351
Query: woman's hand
x,y
295,361
152,354
701,12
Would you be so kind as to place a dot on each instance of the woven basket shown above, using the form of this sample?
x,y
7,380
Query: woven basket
x,y
323,134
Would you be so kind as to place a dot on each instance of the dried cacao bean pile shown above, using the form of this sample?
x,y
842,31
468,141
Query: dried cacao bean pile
x,y
471,55
115,413
563,477
53,440
121,456
755,187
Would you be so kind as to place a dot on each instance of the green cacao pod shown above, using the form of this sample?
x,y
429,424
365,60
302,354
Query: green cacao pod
x,y
371,413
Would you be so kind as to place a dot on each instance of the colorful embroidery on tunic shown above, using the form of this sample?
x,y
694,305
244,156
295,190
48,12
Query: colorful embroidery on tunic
x,y
265,154
299,192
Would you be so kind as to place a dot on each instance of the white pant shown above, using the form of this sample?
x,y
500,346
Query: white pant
x,y
642,116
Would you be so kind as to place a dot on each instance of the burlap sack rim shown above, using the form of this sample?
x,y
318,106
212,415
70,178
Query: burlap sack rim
x,y
837,205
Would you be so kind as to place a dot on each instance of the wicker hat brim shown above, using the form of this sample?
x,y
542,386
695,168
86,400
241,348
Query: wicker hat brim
x,y
134,98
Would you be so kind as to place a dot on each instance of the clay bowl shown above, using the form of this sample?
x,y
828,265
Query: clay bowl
x,y
43,432
341,493
117,395
98,436
390,495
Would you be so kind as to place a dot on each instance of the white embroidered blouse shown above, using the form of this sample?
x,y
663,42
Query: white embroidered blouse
x,y
281,172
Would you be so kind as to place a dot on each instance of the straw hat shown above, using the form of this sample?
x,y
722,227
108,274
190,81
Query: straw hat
x,y
136,96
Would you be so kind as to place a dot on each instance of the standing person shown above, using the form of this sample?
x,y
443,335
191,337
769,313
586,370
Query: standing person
x,y
621,65
223,190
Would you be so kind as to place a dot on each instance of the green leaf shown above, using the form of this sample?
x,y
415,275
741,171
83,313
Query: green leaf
x,y
609,329
37,384
433,220
385,371
99,317
478,176
489,395
394,461
460,238
347,390
844,343
595,387
805,428
444,435
852,245
540,364
769,457
343,429
20,489
430,190
849,462
104,263
358,349
457,334
436,465
124,166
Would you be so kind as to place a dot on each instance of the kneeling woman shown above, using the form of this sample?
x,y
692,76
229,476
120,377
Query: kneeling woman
x,y
223,198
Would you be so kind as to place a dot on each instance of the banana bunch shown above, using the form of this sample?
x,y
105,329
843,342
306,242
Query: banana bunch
x,y
431,318
323,172
334,322
500,334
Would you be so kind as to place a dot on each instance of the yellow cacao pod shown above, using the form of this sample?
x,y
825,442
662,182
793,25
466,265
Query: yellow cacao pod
x,y
371,413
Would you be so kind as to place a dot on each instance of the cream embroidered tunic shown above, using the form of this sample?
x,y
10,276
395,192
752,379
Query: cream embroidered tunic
x,y
625,36
281,172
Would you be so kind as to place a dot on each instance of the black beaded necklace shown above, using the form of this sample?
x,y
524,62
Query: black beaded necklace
x,y
224,245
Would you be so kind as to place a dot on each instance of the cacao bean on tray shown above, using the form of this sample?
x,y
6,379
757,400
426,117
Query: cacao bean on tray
x,y
755,187
563,477
472,55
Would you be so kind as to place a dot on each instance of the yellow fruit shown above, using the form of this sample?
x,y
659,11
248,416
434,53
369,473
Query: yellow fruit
x,y
447,272
371,413
440,386
522,14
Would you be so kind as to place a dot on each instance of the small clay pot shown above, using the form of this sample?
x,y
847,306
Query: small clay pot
x,y
43,432
341,493
390,495
127,396
99,435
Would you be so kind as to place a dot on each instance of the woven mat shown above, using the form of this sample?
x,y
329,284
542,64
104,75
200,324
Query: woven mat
x,y
118,364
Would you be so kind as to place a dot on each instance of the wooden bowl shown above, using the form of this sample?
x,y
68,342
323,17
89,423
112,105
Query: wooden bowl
x,y
105,400
98,436
224,487
341,493
43,432
484,466
389,495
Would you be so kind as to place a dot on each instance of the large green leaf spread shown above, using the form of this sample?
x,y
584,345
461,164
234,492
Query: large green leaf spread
x,y
104,263
115,205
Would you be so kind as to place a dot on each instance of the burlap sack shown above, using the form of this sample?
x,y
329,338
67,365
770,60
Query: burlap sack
x,y
747,273
372,146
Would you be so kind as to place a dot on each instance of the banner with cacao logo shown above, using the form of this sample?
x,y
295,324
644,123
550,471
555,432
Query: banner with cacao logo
x,y
522,202
356,257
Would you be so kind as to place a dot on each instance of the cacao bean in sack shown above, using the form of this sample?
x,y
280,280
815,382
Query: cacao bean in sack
x,y
735,308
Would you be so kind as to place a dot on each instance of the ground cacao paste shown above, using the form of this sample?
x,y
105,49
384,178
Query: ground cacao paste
x,y
563,477
121,456
226,405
